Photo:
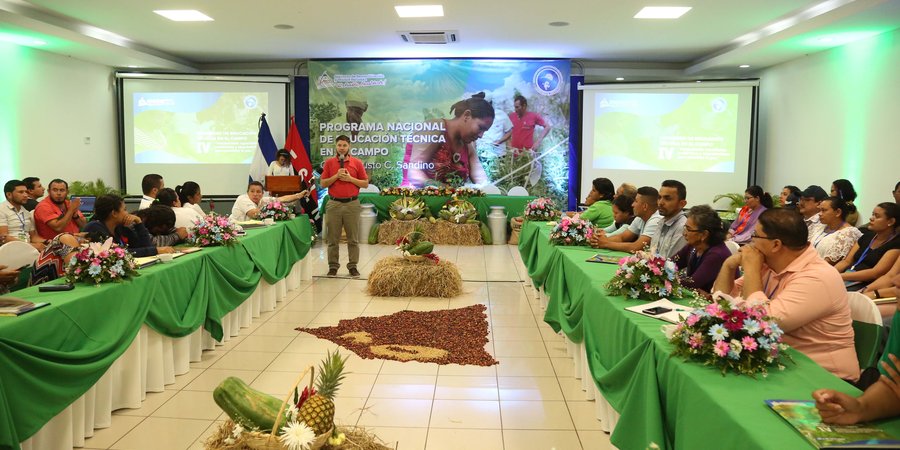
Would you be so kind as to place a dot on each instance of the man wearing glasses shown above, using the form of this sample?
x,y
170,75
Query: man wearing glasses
x,y
804,293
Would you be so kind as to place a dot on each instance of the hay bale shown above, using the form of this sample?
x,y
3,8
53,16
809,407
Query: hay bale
x,y
394,276
440,232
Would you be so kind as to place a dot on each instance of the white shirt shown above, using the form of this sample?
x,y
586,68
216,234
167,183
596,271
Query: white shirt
x,y
833,245
194,207
278,170
243,204
19,223
185,217
146,202
670,237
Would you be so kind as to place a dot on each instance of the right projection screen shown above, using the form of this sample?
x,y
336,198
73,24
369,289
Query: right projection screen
x,y
698,133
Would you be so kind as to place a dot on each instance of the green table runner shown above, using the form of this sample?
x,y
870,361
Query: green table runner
x,y
52,356
515,206
668,401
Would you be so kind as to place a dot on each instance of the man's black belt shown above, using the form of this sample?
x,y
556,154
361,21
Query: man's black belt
x,y
345,199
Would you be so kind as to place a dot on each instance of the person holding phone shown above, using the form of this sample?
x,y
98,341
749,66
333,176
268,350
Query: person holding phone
x,y
57,214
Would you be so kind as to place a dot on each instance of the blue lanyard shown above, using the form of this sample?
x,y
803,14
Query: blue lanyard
x,y
853,267
825,235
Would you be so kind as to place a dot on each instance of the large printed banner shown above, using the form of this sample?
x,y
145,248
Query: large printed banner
x,y
447,122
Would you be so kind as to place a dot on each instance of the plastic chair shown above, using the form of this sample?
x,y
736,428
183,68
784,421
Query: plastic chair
x,y
867,324
370,188
490,189
733,246
517,191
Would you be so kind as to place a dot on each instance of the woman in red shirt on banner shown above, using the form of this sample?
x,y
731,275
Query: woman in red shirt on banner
x,y
755,202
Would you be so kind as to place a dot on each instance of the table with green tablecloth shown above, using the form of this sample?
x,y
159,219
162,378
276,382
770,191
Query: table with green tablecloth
x,y
52,356
662,399
515,206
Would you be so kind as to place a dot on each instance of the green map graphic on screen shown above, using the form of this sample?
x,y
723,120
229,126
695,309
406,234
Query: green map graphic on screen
x,y
398,116
197,128
647,131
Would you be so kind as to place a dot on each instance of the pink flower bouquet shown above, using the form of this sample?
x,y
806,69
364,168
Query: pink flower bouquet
x,y
211,230
541,209
275,210
101,263
646,276
572,231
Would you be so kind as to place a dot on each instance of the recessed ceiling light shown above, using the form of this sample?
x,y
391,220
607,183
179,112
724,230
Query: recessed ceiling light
x,y
662,12
744,66
558,24
132,67
699,81
406,11
183,15
620,79
284,26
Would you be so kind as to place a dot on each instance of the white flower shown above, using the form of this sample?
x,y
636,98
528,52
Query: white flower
x,y
292,412
297,436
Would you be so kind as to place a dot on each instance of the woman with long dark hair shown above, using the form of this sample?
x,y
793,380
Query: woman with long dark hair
x,y
833,237
112,220
755,202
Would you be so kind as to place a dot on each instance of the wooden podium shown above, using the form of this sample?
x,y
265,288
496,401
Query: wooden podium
x,y
283,185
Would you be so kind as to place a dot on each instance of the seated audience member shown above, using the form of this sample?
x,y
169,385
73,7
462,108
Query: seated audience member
x,y
897,193
669,238
833,237
627,189
705,251
843,189
35,192
599,202
623,215
190,196
802,291
639,233
52,262
282,164
883,287
112,220
881,400
876,250
57,214
184,217
150,185
160,223
790,196
755,202
809,205
8,278
247,206
16,222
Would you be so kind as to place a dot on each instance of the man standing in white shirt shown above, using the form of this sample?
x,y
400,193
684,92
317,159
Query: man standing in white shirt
x,y
151,185
670,238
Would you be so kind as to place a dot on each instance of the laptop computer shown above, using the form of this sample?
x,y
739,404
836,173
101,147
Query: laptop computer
x,y
87,204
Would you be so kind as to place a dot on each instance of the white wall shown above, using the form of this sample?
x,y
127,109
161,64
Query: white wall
x,y
834,114
52,103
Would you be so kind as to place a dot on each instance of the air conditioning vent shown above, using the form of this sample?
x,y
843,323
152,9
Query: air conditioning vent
x,y
428,37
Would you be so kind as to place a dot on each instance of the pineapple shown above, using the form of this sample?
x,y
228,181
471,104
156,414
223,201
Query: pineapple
x,y
318,411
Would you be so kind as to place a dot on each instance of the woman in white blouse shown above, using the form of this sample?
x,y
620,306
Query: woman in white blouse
x,y
190,196
184,217
282,165
833,237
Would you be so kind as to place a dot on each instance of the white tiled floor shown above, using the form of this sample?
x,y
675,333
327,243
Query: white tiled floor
x,y
529,401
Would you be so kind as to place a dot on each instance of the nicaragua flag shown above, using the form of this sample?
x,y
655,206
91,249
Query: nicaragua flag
x,y
265,152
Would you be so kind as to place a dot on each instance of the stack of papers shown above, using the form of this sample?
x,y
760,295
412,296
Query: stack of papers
x,y
663,310
10,306
146,261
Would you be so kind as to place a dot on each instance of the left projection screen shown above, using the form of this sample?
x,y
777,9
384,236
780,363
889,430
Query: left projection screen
x,y
202,129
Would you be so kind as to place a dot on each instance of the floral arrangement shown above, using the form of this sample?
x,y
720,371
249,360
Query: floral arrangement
x,y
572,231
275,210
402,191
407,208
435,191
732,335
541,209
647,276
469,192
457,211
212,229
100,263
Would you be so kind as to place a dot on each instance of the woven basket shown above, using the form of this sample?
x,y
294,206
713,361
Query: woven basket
x,y
269,441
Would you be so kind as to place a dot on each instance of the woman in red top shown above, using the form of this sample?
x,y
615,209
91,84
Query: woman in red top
x,y
453,161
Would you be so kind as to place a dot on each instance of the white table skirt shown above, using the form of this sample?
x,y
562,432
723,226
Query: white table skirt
x,y
603,411
150,363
